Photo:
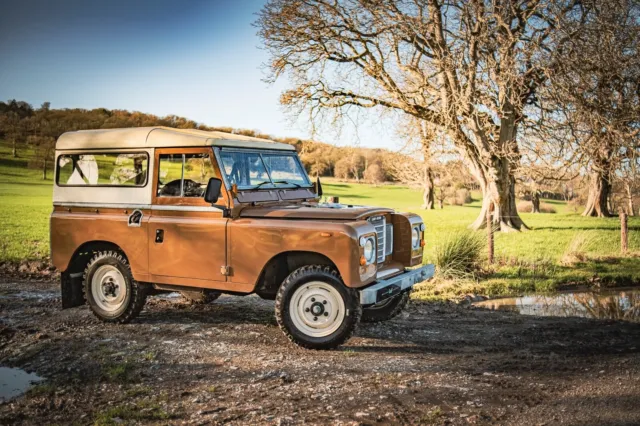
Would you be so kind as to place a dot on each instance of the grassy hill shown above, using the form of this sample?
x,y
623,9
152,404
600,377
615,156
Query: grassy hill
x,y
527,261
25,206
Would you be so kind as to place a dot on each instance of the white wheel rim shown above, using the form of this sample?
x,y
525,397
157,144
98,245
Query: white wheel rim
x,y
108,288
317,309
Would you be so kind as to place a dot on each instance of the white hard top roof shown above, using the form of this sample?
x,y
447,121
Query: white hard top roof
x,y
160,137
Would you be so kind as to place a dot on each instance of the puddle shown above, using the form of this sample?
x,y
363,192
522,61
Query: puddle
x,y
14,382
619,304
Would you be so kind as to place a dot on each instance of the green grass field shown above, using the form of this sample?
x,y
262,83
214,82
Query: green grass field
x,y
527,261
25,206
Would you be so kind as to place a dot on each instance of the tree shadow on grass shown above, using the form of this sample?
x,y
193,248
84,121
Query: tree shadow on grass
x,y
582,228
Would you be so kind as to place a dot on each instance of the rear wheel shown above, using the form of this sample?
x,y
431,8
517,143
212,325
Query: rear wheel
x,y
111,292
315,309
387,309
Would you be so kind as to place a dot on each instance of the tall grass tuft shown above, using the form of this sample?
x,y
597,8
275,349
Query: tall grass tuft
x,y
459,255
577,248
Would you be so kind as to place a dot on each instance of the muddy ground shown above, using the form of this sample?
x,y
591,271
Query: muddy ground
x,y
229,363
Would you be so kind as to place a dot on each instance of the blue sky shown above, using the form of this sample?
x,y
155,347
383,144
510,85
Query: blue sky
x,y
194,58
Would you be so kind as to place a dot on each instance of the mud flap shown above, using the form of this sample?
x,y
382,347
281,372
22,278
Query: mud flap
x,y
71,289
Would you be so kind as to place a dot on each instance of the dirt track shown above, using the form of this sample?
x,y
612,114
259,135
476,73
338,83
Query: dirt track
x,y
229,363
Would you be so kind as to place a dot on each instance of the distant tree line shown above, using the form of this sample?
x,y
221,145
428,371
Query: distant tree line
x,y
37,129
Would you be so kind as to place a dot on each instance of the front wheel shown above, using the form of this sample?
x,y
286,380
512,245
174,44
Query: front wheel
x,y
315,309
386,309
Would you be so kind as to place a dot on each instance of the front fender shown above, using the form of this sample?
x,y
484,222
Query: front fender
x,y
253,242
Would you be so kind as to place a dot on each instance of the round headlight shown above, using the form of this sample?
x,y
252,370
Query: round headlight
x,y
369,250
415,238
422,227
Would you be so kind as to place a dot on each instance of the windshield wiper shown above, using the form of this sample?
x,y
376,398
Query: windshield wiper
x,y
275,182
261,183
287,182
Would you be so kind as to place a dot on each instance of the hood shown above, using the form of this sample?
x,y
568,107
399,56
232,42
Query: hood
x,y
314,211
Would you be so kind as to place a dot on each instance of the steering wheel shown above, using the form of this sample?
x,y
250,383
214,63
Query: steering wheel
x,y
191,188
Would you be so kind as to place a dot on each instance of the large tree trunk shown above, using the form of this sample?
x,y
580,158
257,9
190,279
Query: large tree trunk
x,y
535,202
494,172
497,183
428,195
599,190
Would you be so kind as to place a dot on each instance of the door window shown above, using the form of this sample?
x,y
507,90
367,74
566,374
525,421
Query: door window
x,y
184,175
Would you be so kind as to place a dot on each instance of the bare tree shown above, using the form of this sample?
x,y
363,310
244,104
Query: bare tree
x,y
417,170
592,100
467,67
416,173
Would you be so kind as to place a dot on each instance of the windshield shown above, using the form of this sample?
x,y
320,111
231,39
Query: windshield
x,y
253,169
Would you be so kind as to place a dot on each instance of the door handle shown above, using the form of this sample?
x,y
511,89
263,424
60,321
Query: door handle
x,y
159,235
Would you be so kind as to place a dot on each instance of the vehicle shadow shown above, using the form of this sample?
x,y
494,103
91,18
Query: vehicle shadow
x,y
464,332
432,328
227,309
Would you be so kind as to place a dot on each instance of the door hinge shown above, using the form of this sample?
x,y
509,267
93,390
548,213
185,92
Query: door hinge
x,y
225,270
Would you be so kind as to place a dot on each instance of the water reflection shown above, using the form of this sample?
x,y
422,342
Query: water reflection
x,y
15,382
622,304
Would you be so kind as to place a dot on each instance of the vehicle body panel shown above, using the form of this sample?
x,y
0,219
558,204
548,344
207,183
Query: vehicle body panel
x,y
253,242
225,246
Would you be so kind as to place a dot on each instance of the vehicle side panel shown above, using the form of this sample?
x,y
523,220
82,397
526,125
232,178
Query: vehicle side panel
x,y
71,227
193,246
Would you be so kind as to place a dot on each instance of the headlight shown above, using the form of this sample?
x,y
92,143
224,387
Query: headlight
x,y
370,250
415,238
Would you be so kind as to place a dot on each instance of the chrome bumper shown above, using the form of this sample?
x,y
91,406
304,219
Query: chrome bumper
x,y
384,289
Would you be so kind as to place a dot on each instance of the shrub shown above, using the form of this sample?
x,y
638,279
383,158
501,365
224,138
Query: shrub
x,y
460,255
527,207
374,174
577,249
463,196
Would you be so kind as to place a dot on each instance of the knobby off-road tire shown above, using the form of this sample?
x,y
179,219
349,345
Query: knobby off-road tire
x,y
386,310
200,296
110,290
315,309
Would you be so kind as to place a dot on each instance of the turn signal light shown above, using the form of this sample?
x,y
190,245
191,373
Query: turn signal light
x,y
363,261
422,243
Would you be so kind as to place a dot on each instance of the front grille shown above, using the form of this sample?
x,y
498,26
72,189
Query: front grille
x,y
384,235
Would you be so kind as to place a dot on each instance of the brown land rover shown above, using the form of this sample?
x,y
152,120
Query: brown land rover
x,y
143,210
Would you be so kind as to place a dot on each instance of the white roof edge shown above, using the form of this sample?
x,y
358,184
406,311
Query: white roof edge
x,y
160,137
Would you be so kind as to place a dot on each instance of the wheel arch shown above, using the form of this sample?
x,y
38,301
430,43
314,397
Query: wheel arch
x,y
282,264
71,277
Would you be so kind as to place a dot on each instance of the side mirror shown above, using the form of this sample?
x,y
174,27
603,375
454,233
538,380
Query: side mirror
x,y
212,193
317,186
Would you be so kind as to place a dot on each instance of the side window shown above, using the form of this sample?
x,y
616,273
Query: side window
x,y
184,175
108,169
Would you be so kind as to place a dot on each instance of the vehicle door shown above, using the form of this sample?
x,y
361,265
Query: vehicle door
x,y
187,236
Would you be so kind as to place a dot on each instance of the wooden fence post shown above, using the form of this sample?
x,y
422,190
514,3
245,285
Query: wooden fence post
x,y
624,239
490,236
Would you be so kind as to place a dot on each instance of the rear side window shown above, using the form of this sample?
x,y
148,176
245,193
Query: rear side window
x,y
103,169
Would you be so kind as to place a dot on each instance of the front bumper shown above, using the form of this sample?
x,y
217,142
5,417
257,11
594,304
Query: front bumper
x,y
384,289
